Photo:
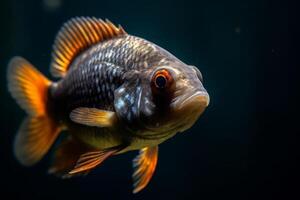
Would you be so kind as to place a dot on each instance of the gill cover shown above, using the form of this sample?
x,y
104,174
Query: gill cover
x,y
133,99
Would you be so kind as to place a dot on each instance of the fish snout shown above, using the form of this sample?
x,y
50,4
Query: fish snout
x,y
195,100
188,108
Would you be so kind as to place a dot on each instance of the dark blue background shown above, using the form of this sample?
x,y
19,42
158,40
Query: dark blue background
x,y
245,146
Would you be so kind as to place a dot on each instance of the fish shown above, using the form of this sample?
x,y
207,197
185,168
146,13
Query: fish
x,y
112,93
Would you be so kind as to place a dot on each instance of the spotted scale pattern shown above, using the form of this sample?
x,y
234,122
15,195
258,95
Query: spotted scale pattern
x,y
92,85
133,100
127,52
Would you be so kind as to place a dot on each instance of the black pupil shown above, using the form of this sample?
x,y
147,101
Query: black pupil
x,y
160,81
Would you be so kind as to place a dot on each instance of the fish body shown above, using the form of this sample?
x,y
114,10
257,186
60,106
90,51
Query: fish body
x,y
116,93
93,79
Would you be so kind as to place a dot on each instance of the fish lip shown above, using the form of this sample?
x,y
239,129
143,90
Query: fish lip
x,y
201,97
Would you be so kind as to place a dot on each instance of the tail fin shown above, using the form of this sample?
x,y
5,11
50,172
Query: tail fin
x,y
38,131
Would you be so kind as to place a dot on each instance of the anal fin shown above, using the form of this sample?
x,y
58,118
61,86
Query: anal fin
x,y
90,160
66,156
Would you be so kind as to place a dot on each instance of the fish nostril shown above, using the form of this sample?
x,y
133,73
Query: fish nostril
x,y
199,74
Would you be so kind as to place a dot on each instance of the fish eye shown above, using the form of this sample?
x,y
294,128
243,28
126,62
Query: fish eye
x,y
162,79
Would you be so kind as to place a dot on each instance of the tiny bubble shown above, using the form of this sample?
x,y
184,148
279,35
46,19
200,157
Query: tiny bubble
x,y
52,5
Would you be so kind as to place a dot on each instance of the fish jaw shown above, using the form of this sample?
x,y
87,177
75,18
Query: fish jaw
x,y
195,100
186,110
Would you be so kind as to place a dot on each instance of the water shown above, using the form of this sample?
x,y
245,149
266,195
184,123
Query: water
x,y
245,144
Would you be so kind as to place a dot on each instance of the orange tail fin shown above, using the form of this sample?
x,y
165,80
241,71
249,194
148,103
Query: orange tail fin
x,y
38,131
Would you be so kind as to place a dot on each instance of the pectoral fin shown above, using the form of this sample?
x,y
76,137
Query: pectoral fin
x,y
144,165
93,117
90,160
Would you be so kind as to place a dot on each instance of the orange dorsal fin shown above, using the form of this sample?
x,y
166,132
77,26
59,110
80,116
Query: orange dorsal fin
x,y
75,36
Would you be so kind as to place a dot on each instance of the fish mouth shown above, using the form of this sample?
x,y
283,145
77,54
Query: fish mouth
x,y
187,111
198,99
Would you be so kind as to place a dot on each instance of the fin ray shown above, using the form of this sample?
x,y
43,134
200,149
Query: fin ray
x,y
90,160
144,165
34,139
38,131
76,35
27,86
66,156
93,117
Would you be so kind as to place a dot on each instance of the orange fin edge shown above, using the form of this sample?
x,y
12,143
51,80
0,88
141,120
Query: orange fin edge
x,y
76,35
38,131
144,165
92,159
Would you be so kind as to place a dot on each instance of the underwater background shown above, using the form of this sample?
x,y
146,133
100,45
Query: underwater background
x,y
245,145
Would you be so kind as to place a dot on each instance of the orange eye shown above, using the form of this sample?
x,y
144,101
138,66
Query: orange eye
x,y
162,79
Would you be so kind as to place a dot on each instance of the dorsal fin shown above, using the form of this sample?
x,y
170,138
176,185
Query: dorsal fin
x,y
75,36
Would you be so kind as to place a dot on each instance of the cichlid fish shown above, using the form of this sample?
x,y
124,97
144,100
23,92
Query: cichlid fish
x,y
116,93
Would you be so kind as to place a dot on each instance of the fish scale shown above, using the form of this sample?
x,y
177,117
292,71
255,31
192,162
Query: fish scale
x,y
78,85
99,69
128,52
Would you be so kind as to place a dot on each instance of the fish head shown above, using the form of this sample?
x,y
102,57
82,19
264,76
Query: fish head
x,y
188,97
166,98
